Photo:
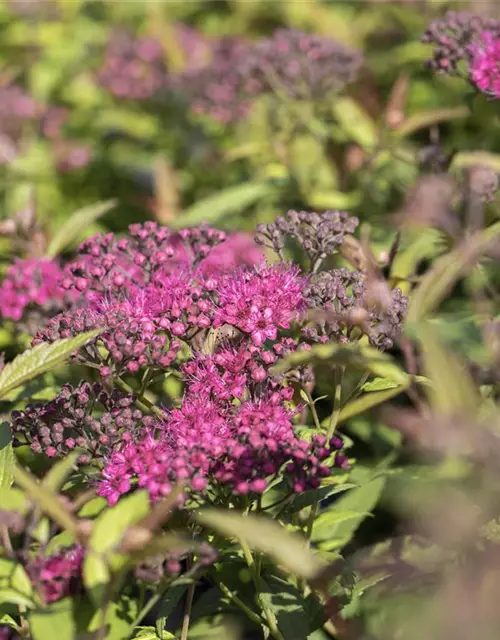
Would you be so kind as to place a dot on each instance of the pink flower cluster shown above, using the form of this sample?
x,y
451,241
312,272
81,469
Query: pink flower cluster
x,y
33,282
484,66
57,576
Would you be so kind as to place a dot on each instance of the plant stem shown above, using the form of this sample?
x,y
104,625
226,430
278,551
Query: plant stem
x,y
269,615
254,617
332,425
314,413
141,400
187,614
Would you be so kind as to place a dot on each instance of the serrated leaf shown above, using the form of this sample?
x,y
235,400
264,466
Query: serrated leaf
x,y
267,536
40,359
75,226
54,621
7,460
219,205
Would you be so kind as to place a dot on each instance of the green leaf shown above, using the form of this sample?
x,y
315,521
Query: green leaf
x,y
439,280
171,599
267,536
14,581
426,119
427,243
7,460
287,604
219,205
57,475
40,359
45,499
111,525
354,355
355,122
308,498
379,384
368,401
452,390
13,499
76,225
334,533
119,619
54,621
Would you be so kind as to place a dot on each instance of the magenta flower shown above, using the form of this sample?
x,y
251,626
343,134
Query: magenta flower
x,y
485,63
259,301
57,576
31,283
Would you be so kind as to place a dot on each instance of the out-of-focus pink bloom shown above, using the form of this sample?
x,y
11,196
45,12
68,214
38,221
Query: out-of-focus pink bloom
x,y
485,63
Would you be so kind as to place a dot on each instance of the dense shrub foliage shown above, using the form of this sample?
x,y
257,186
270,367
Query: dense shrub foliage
x,y
249,320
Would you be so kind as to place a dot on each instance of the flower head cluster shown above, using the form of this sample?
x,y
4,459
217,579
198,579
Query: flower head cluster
x,y
260,301
85,418
469,38
30,284
58,575
137,69
319,235
341,298
301,65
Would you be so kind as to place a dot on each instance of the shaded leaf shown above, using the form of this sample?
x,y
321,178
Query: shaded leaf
x,y
40,359
362,500
287,604
267,536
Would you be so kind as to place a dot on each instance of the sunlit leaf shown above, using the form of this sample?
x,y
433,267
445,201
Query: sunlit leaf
x,y
7,460
75,226
42,358
54,621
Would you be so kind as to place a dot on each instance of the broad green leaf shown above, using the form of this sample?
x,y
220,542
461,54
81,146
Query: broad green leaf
x,y
76,225
172,598
379,384
96,575
354,355
92,508
219,205
42,358
332,199
287,604
367,401
57,475
54,621
308,498
426,119
11,596
111,525
14,580
452,390
355,122
119,619
13,499
362,500
7,460
267,536
440,279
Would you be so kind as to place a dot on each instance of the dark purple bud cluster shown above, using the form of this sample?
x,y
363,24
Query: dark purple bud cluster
x,y
348,309
453,36
319,235
58,575
303,66
85,418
